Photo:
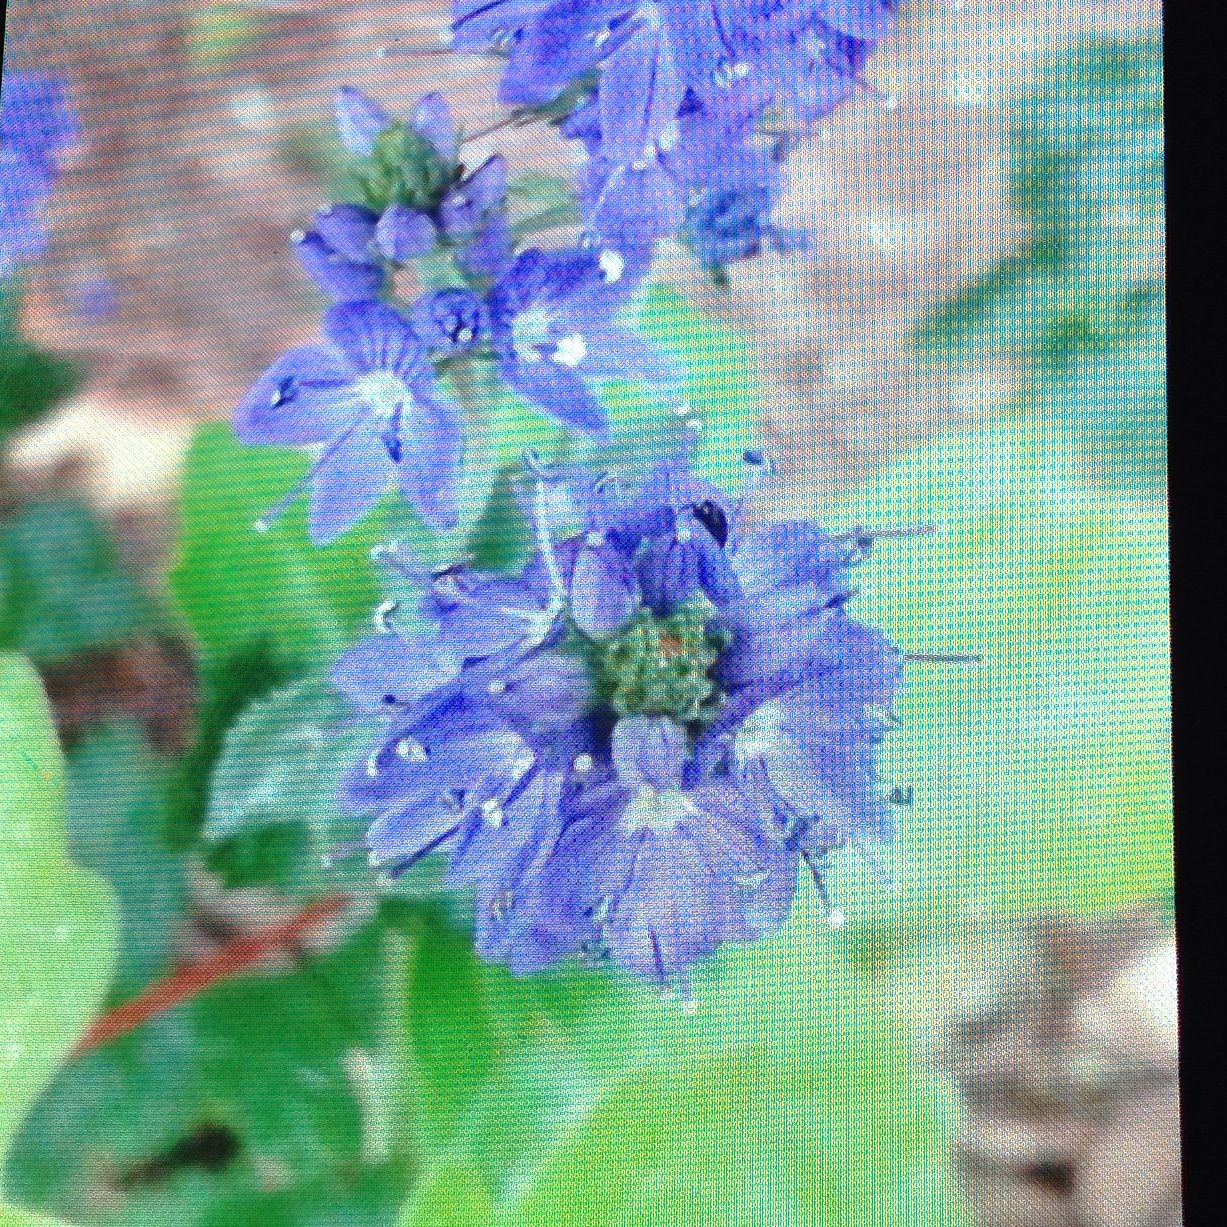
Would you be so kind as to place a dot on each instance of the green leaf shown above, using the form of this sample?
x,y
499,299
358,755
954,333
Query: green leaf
x,y
12,1216
270,1062
453,1195
62,587
116,822
31,381
227,685
57,921
281,766
1042,776
273,816
235,585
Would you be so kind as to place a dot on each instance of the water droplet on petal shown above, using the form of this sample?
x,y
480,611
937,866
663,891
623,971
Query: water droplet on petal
x,y
501,904
372,765
496,686
260,525
492,812
583,763
594,541
836,918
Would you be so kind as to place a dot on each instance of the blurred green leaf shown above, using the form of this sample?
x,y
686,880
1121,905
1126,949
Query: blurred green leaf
x,y
31,381
235,585
1088,172
280,766
227,684
1042,776
116,789
452,1196
273,816
58,921
62,587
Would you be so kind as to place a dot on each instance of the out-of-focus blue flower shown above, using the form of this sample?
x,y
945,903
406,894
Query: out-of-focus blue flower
x,y
420,190
629,748
632,75
552,326
37,123
370,397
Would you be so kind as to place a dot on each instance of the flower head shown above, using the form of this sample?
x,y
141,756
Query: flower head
x,y
370,397
553,327
629,747
629,80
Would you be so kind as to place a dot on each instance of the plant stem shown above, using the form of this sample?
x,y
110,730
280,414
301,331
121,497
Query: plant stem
x,y
193,978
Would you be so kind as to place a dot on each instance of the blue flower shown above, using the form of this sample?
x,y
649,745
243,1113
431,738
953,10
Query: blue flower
x,y
449,321
36,124
630,74
629,748
552,326
419,191
370,397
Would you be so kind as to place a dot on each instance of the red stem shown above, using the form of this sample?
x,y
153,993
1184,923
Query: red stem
x,y
193,978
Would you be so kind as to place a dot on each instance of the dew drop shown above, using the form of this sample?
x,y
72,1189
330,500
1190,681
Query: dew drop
x,y
372,765
836,918
583,763
496,686
492,813
501,904
594,541
260,525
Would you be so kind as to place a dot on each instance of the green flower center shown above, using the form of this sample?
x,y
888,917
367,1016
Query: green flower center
x,y
662,666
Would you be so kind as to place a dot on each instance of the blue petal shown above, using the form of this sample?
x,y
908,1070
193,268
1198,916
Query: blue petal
x,y
36,117
346,484
463,208
478,23
489,254
403,233
360,119
560,392
429,468
384,667
640,93
634,207
649,752
341,279
301,398
604,594
347,229
864,19
375,338
432,120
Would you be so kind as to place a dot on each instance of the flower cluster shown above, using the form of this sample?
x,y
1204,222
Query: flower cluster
x,y
546,320
670,98
629,747
36,125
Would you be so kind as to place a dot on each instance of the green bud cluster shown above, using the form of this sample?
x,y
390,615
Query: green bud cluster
x,y
405,168
662,666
